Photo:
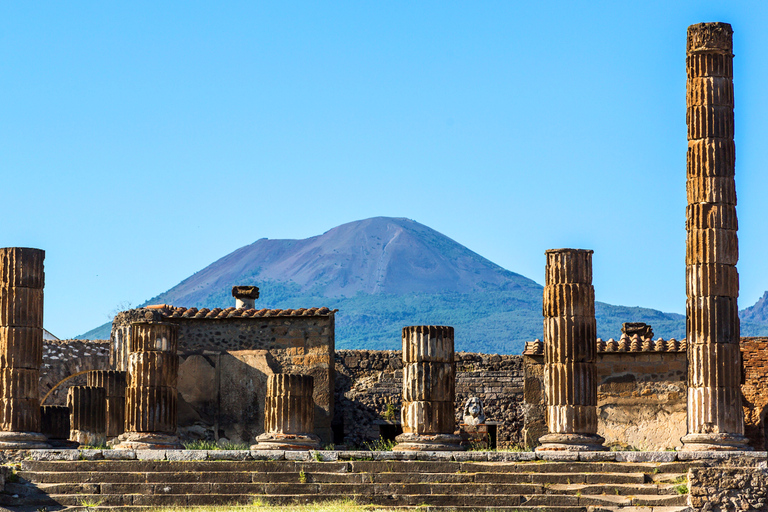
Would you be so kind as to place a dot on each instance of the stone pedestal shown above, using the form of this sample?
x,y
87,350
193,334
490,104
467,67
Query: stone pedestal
x,y
715,416
114,385
22,279
150,395
429,389
570,374
289,414
87,415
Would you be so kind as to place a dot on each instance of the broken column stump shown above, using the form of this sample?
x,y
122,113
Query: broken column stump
x,y
289,414
87,415
22,278
429,389
150,395
54,424
570,374
715,415
113,383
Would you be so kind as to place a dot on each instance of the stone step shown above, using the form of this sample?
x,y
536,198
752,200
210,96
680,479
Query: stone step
x,y
323,477
466,500
303,489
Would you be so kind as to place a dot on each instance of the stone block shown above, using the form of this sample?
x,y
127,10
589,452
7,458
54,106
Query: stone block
x,y
711,216
710,121
21,347
432,382
229,455
557,456
91,454
54,455
187,455
119,454
597,456
424,417
568,266
646,456
711,158
569,300
724,374
150,337
711,279
434,456
21,307
571,383
712,246
428,343
569,339
19,383
711,38
267,454
113,382
150,409
712,320
22,267
709,64
151,454
153,369
709,90
297,455
20,414
711,190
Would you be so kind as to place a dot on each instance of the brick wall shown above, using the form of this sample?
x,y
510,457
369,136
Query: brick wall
x,y
754,389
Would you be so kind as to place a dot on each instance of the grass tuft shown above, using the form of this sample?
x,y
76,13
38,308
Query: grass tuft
x,y
380,445
213,445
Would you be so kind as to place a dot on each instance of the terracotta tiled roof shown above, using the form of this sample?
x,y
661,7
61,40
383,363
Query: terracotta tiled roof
x,y
218,313
624,344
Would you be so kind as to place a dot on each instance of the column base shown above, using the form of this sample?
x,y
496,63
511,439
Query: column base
x,y
571,443
86,438
718,442
23,441
280,441
410,442
147,441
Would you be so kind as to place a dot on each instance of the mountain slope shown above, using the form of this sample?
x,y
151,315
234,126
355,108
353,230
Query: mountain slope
x,y
383,273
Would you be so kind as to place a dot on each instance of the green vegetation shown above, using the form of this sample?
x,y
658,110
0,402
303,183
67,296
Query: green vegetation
x,y
302,477
380,445
681,489
213,445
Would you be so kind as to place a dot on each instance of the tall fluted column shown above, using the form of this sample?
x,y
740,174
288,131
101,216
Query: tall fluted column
x,y
570,374
429,389
715,416
87,415
113,383
151,396
289,414
54,424
22,278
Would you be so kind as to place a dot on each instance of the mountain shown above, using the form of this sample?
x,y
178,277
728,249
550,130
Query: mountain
x,y
758,313
384,273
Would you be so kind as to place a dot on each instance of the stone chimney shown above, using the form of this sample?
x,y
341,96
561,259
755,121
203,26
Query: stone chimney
x,y
245,296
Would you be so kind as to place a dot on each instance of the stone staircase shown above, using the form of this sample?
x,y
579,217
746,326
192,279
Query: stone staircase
x,y
440,485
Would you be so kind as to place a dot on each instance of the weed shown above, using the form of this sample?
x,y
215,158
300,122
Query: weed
x,y
202,444
578,494
317,456
656,471
616,491
389,413
302,477
681,489
380,445
94,447
90,502
680,480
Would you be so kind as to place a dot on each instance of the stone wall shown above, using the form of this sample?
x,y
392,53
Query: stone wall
x,y
62,358
721,489
641,399
367,381
754,353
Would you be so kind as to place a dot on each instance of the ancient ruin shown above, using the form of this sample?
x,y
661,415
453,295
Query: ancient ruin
x,y
715,417
570,375
113,383
429,390
87,415
150,398
22,278
289,415
54,424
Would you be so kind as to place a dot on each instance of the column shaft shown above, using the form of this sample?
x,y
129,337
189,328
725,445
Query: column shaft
x,y
715,417
289,414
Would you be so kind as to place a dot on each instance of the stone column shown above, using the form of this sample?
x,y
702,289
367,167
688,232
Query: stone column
x,y
87,415
289,414
151,396
429,389
570,374
54,424
113,383
22,279
715,416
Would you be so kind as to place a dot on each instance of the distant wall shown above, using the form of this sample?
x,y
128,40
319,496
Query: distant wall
x,y
62,358
368,380
641,399
754,390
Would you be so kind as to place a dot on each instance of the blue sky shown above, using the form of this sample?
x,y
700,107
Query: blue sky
x,y
140,141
